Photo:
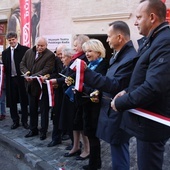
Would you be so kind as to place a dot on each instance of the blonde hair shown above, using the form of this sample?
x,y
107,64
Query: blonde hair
x,y
95,45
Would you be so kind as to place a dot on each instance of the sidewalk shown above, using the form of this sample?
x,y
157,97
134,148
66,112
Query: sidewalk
x,y
36,152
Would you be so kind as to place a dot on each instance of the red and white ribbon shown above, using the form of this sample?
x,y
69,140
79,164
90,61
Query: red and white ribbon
x,y
152,116
50,92
1,78
40,81
79,66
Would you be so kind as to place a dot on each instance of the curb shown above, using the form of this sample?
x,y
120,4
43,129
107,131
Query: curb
x,y
29,157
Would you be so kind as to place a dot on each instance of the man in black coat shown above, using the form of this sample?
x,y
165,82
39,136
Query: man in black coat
x,y
149,87
15,85
116,79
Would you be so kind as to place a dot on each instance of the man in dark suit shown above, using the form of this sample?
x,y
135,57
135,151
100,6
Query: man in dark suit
x,y
38,61
15,85
117,78
149,86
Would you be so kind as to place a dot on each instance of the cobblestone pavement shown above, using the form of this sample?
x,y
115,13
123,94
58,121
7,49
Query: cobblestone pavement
x,y
42,157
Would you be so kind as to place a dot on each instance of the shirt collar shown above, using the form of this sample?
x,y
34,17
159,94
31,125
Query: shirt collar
x,y
14,47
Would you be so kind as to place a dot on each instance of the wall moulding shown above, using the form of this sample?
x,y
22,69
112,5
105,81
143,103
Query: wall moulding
x,y
5,13
101,17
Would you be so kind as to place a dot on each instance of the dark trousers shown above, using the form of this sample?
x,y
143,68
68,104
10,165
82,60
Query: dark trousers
x,y
120,156
95,151
44,110
56,133
150,155
18,94
33,106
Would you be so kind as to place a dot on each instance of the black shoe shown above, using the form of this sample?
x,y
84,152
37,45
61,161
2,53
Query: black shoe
x,y
25,125
43,136
69,147
15,125
65,137
54,143
86,167
80,158
78,152
31,134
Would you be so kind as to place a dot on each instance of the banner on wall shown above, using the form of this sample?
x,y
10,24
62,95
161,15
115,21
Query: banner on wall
x,y
55,40
25,8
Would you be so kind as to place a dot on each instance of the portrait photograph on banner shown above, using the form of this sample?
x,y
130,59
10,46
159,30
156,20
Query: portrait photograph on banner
x,y
25,21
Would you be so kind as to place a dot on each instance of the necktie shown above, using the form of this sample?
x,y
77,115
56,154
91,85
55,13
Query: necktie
x,y
13,68
37,55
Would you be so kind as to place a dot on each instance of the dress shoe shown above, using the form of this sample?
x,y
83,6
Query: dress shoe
x,y
80,158
15,125
43,136
65,137
86,167
25,125
78,152
69,147
53,143
31,134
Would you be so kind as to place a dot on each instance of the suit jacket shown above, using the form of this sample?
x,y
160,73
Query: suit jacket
x,y
6,59
91,110
43,65
149,87
116,79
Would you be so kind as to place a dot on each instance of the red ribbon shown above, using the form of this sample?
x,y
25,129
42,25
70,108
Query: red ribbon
x,y
79,66
50,93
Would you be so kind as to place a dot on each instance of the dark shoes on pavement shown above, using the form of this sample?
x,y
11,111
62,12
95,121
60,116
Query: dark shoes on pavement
x,y
15,125
69,147
65,137
25,125
54,143
80,158
31,134
78,152
43,136
87,167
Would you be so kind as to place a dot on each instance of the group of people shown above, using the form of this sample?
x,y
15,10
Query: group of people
x,y
131,79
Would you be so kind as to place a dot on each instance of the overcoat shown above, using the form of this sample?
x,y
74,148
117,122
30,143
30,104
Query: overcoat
x,y
116,79
43,65
91,110
149,87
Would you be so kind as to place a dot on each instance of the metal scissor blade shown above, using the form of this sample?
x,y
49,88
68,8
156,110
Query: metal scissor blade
x,y
62,75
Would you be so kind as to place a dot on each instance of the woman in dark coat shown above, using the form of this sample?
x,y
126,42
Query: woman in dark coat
x,y
95,54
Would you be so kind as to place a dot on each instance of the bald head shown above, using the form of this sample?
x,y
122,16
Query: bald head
x,y
41,44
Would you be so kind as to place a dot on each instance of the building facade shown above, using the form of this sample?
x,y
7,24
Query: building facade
x,y
62,19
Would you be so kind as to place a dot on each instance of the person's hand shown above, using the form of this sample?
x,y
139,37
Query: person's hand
x,y
45,77
117,96
69,81
94,96
28,79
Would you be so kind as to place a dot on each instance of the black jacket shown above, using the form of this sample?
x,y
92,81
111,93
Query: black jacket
x,y
149,87
116,79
